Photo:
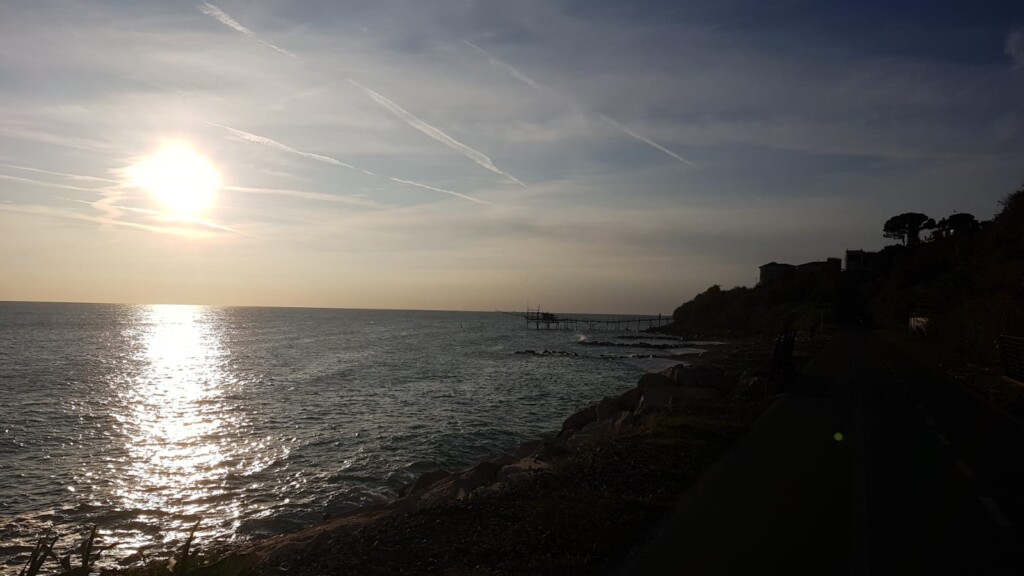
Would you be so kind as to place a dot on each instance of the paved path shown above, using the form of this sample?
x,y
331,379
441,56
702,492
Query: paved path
x,y
923,479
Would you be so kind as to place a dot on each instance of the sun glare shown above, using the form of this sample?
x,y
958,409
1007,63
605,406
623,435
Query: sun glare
x,y
183,180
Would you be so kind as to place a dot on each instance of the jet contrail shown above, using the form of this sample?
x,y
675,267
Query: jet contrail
x,y
256,138
304,195
648,141
62,174
285,148
410,119
459,194
512,71
49,184
222,17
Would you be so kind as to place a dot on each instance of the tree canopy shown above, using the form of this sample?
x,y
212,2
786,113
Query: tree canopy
x,y
907,227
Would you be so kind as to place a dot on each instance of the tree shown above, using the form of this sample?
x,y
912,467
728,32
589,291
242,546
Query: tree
x,y
907,227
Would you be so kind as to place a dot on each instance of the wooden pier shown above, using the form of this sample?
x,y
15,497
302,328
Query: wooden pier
x,y
538,320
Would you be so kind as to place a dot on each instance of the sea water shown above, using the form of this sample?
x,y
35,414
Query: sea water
x,y
144,420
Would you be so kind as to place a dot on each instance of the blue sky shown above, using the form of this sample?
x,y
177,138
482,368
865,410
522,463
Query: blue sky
x,y
458,154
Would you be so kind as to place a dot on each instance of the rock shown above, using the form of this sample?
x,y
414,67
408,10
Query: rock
x,y
595,429
423,482
698,377
525,466
527,449
607,406
623,420
628,400
459,485
549,451
580,419
652,380
663,397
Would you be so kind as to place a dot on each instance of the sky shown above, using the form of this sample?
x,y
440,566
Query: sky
x,y
584,156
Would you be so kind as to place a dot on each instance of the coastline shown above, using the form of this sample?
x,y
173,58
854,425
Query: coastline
x,y
581,502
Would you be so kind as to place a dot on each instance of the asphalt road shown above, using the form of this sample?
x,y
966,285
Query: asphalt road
x,y
874,463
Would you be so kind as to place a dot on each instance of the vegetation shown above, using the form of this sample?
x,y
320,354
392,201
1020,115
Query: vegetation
x,y
907,227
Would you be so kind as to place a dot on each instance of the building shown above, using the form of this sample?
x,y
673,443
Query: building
x,y
773,271
859,261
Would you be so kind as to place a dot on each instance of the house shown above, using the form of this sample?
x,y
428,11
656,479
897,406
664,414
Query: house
x,y
859,261
773,271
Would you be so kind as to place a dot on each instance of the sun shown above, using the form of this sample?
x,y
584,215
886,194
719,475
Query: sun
x,y
180,178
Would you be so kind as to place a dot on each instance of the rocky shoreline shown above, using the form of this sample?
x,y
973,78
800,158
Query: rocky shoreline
x,y
555,505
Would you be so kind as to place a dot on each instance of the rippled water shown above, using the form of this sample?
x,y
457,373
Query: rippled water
x,y
257,421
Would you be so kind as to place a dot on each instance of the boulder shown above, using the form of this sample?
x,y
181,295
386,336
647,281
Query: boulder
x,y
623,420
607,406
580,419
653,380
699,377
527,465
423,482
668,396
629,399
459,485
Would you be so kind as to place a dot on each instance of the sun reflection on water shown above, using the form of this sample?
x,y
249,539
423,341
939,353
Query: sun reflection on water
x,y
177,426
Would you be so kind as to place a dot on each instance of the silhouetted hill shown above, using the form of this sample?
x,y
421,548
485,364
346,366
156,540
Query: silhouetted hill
x,y
969,284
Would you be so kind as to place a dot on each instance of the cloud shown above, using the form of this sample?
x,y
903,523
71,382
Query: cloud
x,y
1015,48
512,71
475,155
222,17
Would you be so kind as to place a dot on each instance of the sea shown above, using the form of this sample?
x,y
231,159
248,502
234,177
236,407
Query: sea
x,y
148,421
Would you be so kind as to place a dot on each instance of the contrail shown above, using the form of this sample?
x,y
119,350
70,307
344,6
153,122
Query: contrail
x,y
285,148
49,184
62,174
256,138
410,119
222,17
303,195
648,141
513,72
510,69
459,194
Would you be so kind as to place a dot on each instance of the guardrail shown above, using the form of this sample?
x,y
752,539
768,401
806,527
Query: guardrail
x,y
1011,357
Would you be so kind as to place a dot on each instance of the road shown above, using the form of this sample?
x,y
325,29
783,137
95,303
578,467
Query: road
x,y
874,463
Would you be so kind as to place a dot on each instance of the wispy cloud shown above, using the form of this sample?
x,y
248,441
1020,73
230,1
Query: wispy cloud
x,y
515,73
256,138
49,211
217,14
457,194
1015,48
162,216
435,133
